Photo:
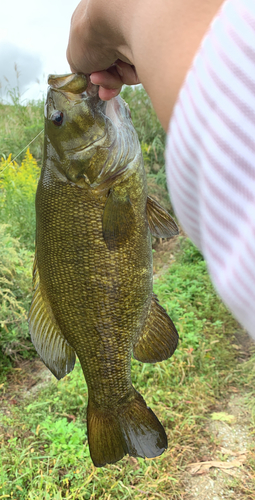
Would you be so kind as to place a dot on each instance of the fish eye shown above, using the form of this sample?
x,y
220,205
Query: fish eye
x,y
57,118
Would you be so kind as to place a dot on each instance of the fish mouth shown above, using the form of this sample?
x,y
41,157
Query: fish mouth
x,y
73,83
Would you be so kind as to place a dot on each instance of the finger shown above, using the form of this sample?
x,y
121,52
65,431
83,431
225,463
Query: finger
x,y
127,73
109,79
114,77
108,94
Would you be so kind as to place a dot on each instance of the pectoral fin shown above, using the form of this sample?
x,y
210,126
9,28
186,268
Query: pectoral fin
x,y
161,224
46,336
159,338
118,220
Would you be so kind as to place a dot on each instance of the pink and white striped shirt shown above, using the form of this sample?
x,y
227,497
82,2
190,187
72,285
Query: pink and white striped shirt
x,y
210,156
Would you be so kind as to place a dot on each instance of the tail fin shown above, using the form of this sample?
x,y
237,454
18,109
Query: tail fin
x,y
132,428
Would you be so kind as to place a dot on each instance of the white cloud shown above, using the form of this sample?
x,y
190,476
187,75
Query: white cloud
x,y
39,30
18,67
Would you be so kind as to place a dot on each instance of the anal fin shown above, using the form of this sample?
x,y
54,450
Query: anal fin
x,y
161,224
46,335
159,337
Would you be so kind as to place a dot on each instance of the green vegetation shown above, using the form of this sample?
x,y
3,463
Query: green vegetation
x,y
17,196
44,447
19,125
17,233
152,139
15,297
151,134
44,450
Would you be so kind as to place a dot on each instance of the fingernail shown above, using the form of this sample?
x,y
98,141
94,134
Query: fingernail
x,y
92,79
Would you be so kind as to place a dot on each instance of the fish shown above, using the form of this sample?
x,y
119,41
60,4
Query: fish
x,y
93,275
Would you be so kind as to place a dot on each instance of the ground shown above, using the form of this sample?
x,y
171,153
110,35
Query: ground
x,y
224,471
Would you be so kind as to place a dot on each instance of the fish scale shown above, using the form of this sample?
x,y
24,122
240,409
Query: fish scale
x,y
82,297
93,267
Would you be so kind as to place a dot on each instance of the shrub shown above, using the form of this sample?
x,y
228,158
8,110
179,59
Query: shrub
x,y
152,139
15,297
19,125
17,194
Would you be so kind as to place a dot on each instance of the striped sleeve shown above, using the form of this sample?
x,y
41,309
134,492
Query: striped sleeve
x,y
210,156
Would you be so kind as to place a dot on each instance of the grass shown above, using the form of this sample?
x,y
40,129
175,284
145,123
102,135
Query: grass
x,y
15,297
17,233
18,185
44,449
43,442
152,139
19,125
18,180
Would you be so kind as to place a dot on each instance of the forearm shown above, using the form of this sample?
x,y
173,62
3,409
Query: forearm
x,y
159,38
210,157
162,51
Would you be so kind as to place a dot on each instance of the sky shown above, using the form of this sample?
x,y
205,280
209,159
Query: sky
x,y
33,37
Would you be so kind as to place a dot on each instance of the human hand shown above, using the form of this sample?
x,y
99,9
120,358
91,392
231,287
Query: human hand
x,y
97,46
111,40
110,81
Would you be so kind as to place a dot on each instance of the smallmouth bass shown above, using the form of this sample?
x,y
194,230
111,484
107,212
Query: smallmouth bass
x,y
93,265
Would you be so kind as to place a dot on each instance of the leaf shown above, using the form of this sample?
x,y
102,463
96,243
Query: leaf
x,y
203,467
223,417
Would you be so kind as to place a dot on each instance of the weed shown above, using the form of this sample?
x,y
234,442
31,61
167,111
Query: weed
x,y
43,440
44,444
15,296
150,132
19,125
17,196
152,139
